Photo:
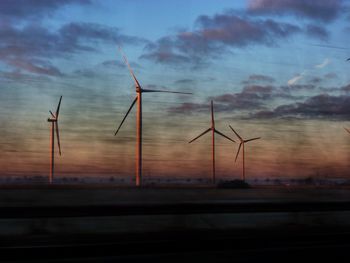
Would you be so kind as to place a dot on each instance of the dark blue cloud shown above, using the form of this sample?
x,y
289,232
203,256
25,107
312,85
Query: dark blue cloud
x,y
257,78
325,10
36,45
214,35
25,9
322,106
317,31
185,81
252,97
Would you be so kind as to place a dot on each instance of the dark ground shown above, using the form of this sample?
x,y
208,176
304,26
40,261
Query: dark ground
x,y
109,224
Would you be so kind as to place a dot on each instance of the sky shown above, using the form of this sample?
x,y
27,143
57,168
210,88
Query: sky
x,y
275,69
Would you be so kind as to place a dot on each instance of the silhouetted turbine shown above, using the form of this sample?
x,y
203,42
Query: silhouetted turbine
x,y
138,99
54,126
213,130
242,142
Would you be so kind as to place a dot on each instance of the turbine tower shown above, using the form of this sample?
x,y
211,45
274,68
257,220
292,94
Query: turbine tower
x,y
54,126
138,99
213,131
242,142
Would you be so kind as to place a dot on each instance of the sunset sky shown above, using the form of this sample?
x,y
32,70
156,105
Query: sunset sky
x,y
274,68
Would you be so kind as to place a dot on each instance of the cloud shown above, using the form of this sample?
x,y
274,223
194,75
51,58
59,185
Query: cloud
x,y
325,11
113,63
256,78
316,107
251,97
237,31
317,32
329,46
290,89
74,33
295,79
298,77
24,9
33,43
164,51
323,64
18,76
119,64
315,80
185,81
37,68
86,73
188,108
346,88
320,79
213,36
331,75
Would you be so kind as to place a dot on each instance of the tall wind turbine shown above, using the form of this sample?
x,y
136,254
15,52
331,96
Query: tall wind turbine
x,y
239,148
213,131
138,99
54,126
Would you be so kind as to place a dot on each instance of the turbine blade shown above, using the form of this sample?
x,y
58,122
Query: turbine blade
x,y
58,107
200,135
223,135
239,137
239,148
137,84
347,130
126,115
166,91
58,138
53,116
252,139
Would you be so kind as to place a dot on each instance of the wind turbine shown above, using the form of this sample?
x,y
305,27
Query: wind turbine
x,y
213,131
239,148
54,126
138,99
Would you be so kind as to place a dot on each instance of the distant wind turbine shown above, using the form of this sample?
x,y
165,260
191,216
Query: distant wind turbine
x,y
213,131
54,126
138,99
242,142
